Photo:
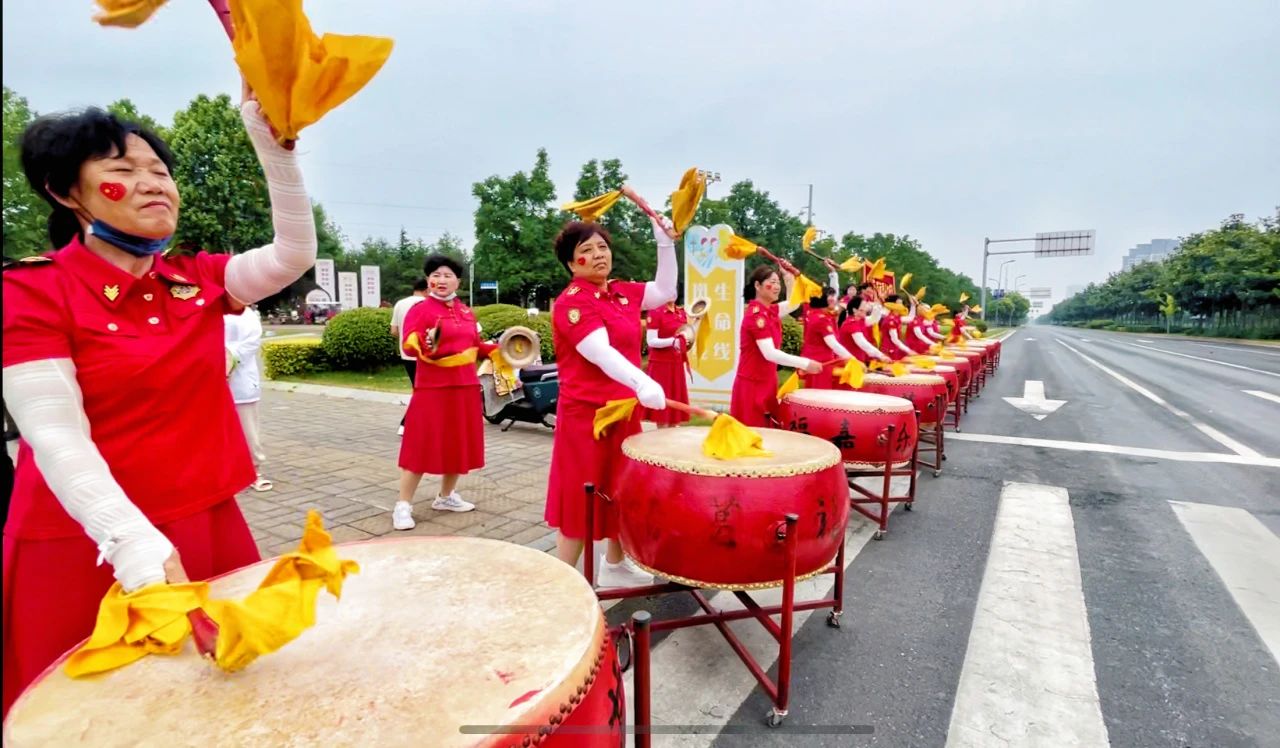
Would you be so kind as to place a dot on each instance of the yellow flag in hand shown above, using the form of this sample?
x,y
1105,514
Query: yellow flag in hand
x,y
791,385
729,439
923,362
895,307
852,264
593,207
738,248
810,234
905,280
127,13
851,373
976,309
920,293
613,412
684,201
802,290
877,269
963,297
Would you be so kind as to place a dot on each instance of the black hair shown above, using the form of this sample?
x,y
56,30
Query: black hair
x,y
437,261
823,301
55,146
759,275
574,233
893,297
421,284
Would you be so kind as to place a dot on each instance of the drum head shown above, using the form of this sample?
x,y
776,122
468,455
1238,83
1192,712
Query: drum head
x,y
431,635
850,401
681,450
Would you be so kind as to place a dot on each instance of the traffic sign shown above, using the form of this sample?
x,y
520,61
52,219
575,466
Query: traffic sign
x,y
488,285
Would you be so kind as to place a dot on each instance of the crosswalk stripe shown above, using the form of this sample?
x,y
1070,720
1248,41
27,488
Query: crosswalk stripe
x,y
1246,556
1028,675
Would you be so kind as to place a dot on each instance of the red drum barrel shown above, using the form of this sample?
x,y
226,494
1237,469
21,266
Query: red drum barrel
x,y
922,390
947,372
433,636
856,423
961,366
974,356
713,523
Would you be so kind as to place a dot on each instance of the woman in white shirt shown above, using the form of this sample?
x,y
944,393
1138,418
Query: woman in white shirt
x,y
244,341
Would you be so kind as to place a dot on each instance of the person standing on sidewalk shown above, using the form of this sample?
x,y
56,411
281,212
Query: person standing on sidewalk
x,y
398,315
243,334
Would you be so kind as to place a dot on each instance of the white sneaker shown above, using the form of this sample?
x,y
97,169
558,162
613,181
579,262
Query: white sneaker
x,y
400,432
621,574
452,503
402,516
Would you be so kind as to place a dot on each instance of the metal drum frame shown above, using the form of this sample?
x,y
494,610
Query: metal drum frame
x,y
779,690
861,496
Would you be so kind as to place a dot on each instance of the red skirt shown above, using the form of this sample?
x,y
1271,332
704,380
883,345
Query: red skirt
x,y
577,459
824,380
754,401
443,431
52,589
675,384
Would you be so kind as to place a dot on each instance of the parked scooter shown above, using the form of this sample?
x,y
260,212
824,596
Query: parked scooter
x,y
534,401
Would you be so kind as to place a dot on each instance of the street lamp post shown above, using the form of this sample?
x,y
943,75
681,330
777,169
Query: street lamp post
x,y
1002,267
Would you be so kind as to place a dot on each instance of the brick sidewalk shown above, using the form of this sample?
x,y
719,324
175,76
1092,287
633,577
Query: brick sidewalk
x,y
339,456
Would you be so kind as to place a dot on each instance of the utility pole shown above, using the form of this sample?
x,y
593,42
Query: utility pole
x,y
809,210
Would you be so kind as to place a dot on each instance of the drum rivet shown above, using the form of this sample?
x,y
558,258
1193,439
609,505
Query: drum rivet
x,y
555,719
544,731
564,708
575,699
582,689
528,741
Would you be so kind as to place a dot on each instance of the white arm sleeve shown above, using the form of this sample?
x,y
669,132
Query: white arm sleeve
x,y
651,337
45,401
779,357
833,280
911,314
785,307
259,273
836,348
966,332
877,312
662,288
861,341
893,335
921,336
936,335
596,349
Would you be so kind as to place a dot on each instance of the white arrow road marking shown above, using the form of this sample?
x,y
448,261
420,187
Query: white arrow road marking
x,y
1207,430
1033,402
1246,556
1263,395
1028,676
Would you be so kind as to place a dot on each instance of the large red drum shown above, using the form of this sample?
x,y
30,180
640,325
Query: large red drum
x,y
974,356
948,373
432,637
961,366
857,423
921,390
713,523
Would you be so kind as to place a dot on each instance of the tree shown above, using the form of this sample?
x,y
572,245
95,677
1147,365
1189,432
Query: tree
x,y
225,204
515,225
25,213
125,110
634,254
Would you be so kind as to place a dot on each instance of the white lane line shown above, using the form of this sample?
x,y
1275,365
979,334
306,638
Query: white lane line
x,y
709,683
1028,675
1115,449
1263,395
1207,360
1246,556
1207,430
1253,349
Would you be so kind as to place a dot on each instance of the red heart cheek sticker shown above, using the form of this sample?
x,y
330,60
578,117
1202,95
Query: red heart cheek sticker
x,y
582,261
113,191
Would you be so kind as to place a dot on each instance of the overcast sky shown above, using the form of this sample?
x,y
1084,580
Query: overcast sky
x,y
946,121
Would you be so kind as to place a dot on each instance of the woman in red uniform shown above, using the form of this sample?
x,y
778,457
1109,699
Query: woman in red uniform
x,y
596,329
958,334
755,386
820,343
917,337
443,430
668,360
114,370
891,331
855,331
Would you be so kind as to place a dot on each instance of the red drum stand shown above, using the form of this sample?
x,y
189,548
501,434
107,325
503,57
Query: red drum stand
x,y
862,496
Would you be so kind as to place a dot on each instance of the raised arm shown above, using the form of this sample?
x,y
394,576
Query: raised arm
x,y
662,288
262,272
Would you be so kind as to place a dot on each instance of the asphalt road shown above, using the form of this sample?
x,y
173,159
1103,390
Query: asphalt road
x,y
1159,625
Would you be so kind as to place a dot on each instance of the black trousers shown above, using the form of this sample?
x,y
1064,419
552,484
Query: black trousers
x,y
410,368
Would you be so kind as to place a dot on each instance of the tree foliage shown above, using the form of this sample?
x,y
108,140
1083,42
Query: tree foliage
x,y
1222,281
25,213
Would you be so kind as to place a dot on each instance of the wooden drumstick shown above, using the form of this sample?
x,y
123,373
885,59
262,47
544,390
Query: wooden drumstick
x,y
204,632
631,195
691,409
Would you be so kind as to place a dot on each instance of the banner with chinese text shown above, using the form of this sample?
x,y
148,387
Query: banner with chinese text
x,y
710,276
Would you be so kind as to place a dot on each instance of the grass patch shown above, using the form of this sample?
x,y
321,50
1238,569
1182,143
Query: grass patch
x,y
390,379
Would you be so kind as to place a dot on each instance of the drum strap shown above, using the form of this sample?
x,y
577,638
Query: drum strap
x,y
448,362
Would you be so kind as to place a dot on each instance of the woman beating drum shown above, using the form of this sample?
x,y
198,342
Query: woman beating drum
x,y
820,342
443,429
958,332
854,331
596,330
115,372
755,387
668,335
891,330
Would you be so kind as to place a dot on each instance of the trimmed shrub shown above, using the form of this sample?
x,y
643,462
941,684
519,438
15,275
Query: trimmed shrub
x,y
360,340
542,325
792,335
292,357
496,318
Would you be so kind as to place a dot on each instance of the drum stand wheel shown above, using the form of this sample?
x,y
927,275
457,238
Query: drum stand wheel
x,y
833,618
879,535
774,717
907,506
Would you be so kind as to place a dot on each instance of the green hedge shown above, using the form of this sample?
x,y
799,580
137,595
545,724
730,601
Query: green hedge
x,y
292,357
792,335
360,340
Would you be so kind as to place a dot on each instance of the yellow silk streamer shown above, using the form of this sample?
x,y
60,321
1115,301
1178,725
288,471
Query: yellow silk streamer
x,y
790,385
613,412
729,439
592,208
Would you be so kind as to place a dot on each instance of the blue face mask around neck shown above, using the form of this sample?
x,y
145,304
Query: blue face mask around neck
x,y
137,246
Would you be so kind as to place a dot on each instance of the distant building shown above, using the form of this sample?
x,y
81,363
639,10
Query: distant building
x,y
1157,250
